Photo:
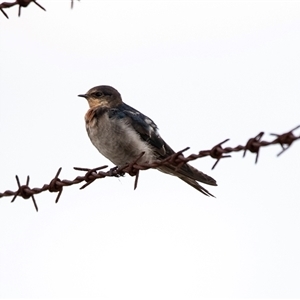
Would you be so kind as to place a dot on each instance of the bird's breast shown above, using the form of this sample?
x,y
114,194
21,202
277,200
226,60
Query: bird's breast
x,y
116,139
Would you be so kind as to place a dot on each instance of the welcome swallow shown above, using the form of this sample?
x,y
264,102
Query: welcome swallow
x,y
121,134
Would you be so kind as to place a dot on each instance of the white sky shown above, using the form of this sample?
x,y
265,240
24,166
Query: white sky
x,y
204,72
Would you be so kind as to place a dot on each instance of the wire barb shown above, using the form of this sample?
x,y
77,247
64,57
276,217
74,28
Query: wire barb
x,y
55,185
285,139
25,192
253,145
22,3
217,152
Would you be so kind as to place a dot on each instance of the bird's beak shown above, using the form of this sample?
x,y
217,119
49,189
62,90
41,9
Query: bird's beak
x,y
83,95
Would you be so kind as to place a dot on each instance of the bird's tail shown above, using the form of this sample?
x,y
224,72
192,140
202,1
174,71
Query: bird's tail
x,y
196,185
197,175
190,175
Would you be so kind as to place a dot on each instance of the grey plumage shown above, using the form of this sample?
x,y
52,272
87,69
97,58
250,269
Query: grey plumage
x,y
121,134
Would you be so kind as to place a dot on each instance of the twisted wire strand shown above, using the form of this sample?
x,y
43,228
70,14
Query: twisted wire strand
x,y
56,185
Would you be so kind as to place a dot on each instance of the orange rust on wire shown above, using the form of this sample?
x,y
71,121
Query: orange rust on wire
x,y
253,145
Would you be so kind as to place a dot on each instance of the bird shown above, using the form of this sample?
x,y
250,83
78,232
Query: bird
x,y
121,133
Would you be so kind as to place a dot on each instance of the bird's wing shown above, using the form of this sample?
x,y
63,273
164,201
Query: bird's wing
x,y
148,131
144,126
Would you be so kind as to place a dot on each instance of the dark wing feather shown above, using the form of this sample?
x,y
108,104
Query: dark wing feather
x,y
144,126
148,132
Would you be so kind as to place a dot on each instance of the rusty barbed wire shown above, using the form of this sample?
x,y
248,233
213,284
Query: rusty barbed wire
x,y
217,152
22,3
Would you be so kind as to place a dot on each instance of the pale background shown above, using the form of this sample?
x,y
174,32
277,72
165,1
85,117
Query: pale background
x,y
204,72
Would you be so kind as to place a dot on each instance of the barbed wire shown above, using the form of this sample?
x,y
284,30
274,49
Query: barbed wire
x,y
22,3
177,159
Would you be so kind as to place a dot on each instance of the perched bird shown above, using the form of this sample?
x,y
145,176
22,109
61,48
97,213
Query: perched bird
x,y
121,134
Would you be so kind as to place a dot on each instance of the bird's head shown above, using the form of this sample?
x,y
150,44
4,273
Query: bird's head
x,y
102,95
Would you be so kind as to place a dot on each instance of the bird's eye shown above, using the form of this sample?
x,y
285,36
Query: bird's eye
x,y
98,94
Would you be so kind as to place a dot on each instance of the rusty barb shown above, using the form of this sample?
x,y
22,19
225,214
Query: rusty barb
x,y
217,152
22,3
